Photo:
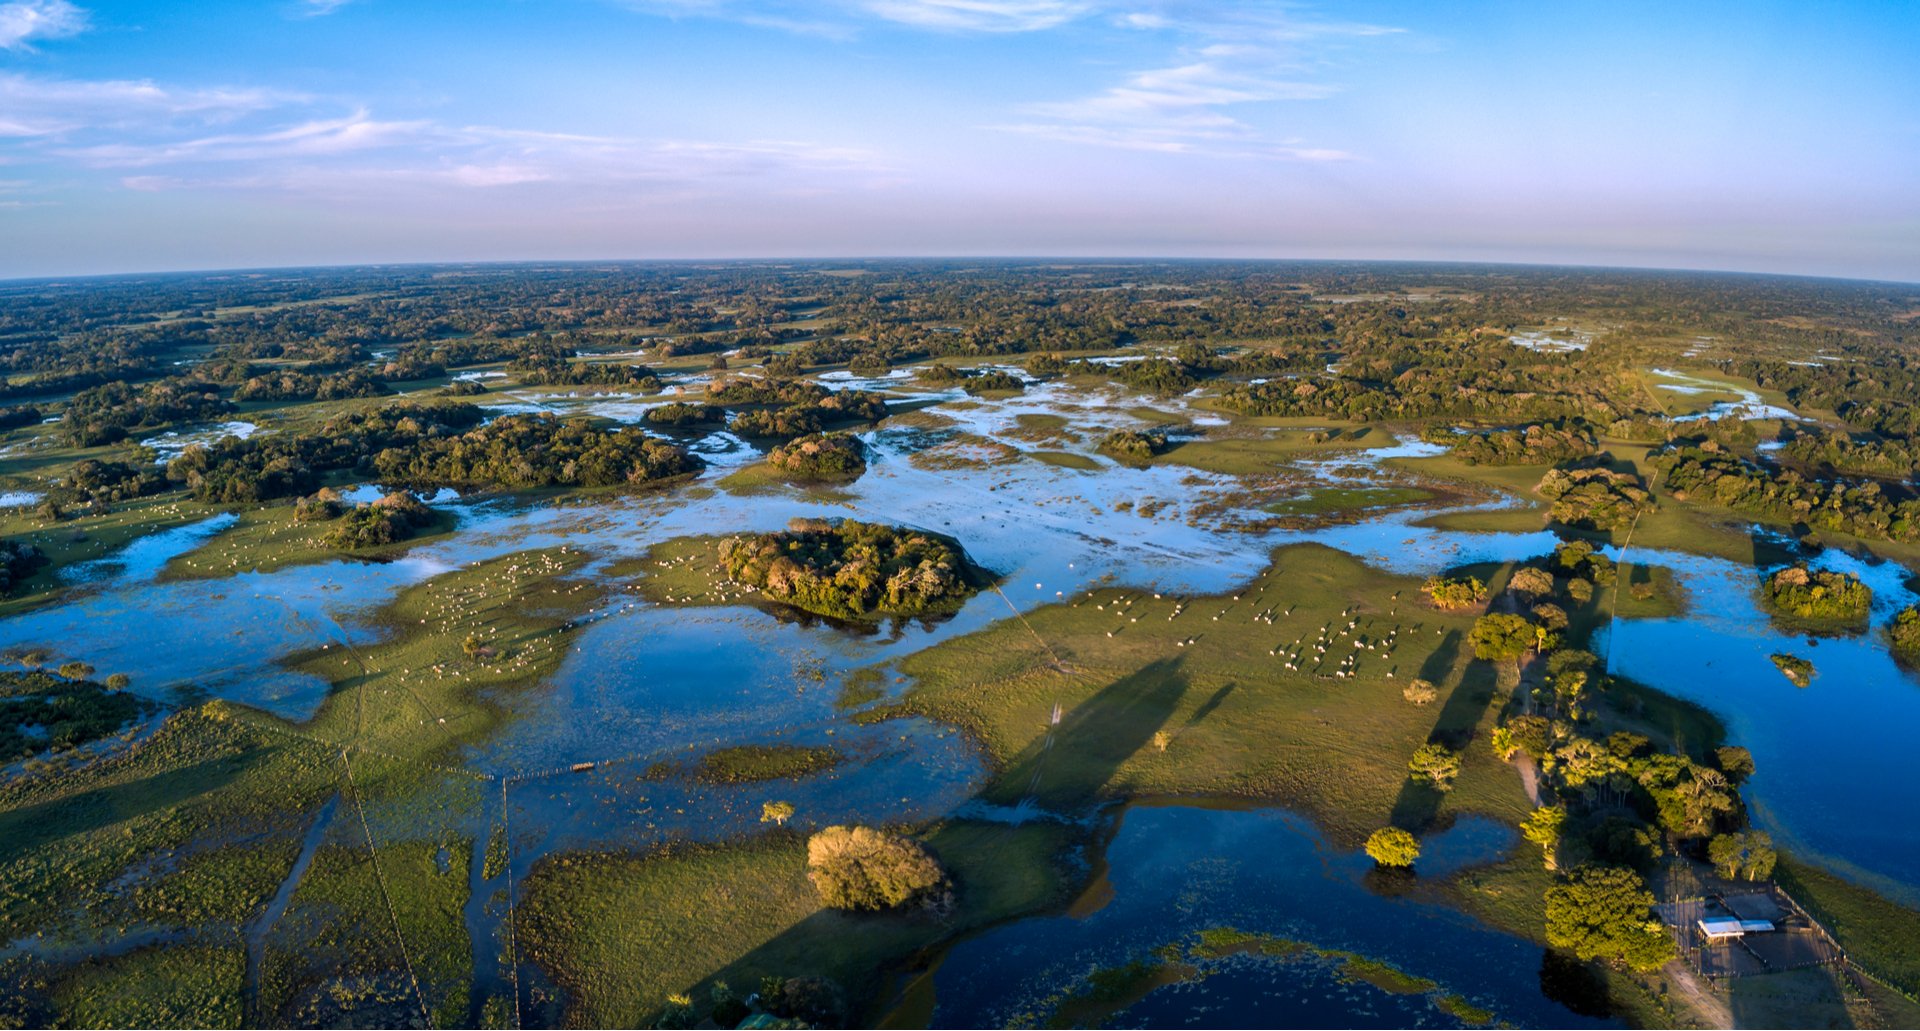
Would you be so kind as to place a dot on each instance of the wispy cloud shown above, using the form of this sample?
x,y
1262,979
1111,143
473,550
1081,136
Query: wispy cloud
x,y
980,15
24,20
319,8
31,106
1229,55
355,132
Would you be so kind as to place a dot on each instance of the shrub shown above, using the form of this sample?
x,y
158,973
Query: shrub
x,y
1455,594
1796,669
1420,692
1391,846
1132,445
1531,734
858,868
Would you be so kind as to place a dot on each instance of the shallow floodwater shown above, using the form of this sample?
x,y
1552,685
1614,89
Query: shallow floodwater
x,y
1833,760
645,682
1175,871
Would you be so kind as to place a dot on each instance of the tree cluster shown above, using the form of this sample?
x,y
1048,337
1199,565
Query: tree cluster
x,y
1710,475
1133,445
1595,499
113,411
386,521
682,414
1535,445
820,456
305,386
851,569
1816,593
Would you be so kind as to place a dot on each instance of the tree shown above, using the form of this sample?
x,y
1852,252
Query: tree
x,y
1437,764
1749,854
861,868
1543,829
1453,594
1735,762
1391,846
119,681
1500,636
1532,582
1420,692
76,670
776,812
1604,912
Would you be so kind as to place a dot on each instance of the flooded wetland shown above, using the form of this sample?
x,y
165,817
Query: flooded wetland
x,y
1144,673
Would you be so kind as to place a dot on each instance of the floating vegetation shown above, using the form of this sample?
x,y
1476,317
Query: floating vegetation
x,y
747,764
1797,669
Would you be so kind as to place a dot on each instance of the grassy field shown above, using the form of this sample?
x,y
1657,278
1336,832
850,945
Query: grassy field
x,y
621,932
1145,714
269,538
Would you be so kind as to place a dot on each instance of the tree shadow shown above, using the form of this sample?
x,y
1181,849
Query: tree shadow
x,y
1212,703
1419,802
1065,767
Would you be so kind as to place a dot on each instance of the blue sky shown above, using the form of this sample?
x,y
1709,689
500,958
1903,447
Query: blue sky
x,y
146,136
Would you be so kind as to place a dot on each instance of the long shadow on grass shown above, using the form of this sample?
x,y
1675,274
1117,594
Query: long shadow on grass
x,y
1065,767
1419,803
31,827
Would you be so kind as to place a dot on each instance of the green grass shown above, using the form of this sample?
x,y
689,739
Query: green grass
x,y
1233,720
1065,460
156,986
745,764
269,538
1880,936
620,932
1337,500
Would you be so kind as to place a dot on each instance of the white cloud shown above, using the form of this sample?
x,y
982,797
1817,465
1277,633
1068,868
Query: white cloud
x,y
40,107
319,8
980,15
307,139
23,20
1229,55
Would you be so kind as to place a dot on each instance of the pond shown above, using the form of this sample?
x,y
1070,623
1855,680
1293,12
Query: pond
x,y
1173,870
